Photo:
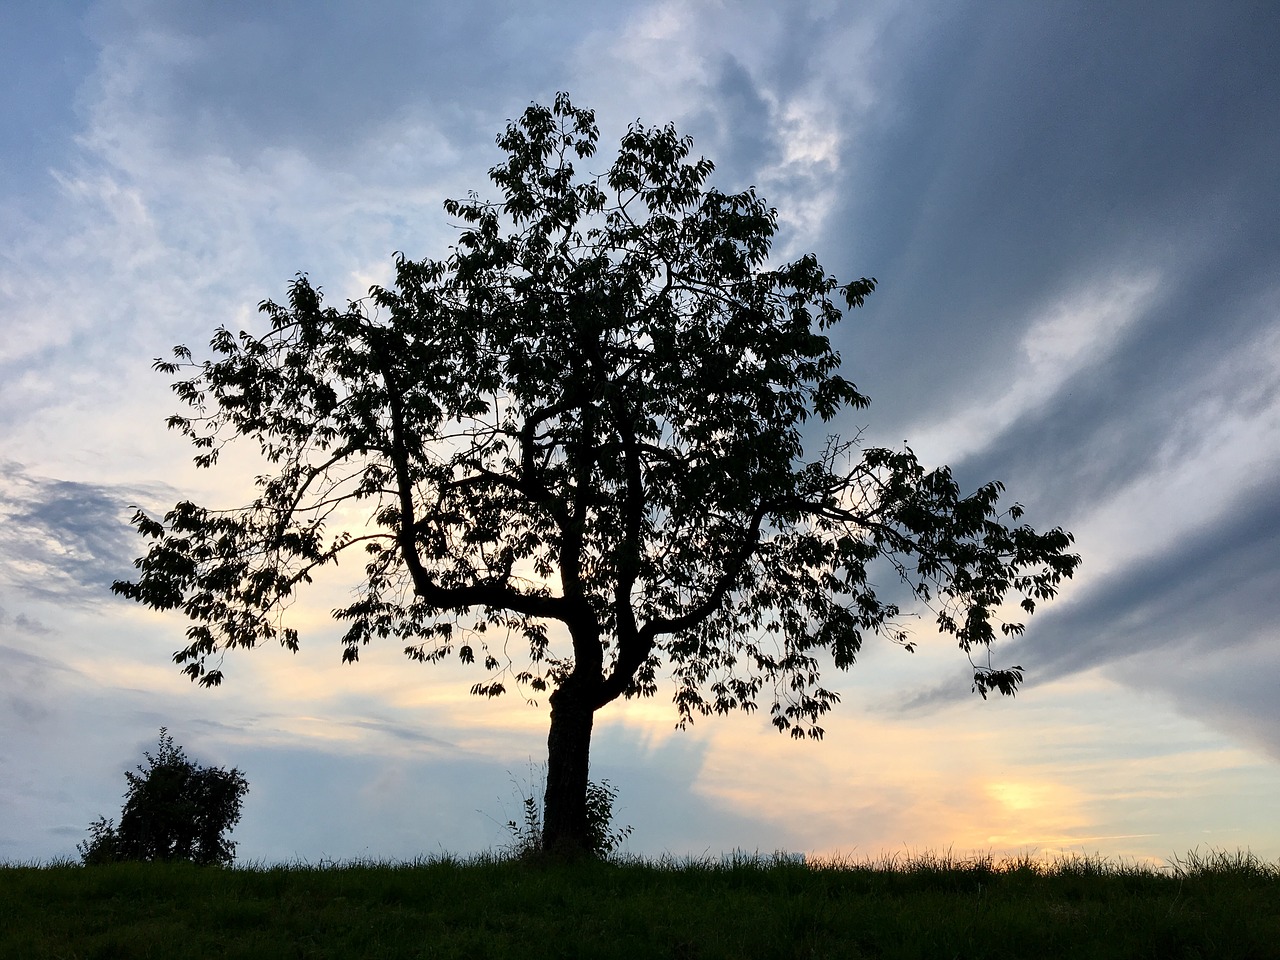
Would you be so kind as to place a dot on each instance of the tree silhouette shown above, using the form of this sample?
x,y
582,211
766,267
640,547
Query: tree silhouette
x,y
173,810
584,427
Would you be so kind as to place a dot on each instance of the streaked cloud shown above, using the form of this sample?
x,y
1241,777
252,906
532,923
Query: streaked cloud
x,y
1061,340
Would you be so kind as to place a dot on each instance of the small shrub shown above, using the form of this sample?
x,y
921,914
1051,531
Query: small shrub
x,y
605,838
174,809
526,833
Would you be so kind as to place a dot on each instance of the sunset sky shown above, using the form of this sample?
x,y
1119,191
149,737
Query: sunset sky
x,y
1073,213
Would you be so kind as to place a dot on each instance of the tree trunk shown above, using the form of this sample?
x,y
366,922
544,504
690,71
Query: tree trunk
x,y
565,831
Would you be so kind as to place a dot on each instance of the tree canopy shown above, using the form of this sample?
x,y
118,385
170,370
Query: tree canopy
x,y
595,424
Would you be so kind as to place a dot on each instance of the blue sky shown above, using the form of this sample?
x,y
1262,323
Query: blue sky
x,y
1074,216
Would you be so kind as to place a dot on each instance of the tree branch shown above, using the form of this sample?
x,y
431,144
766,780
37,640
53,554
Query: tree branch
x,y
494,595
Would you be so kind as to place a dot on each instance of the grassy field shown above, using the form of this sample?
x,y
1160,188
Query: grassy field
x,y
1218,905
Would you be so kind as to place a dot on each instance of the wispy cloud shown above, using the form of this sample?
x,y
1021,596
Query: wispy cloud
x,y
62,539
1059,341
1208,604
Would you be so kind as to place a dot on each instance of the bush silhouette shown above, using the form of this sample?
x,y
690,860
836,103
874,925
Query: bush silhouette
x,y
174,809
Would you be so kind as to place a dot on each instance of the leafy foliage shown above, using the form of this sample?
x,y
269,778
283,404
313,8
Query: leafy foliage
x,y
173,810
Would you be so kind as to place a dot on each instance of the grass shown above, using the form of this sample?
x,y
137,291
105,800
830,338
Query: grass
x,y
929,906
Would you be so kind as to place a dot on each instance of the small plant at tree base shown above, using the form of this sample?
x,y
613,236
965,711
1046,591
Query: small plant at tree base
x,y
174,809
604,837
526,833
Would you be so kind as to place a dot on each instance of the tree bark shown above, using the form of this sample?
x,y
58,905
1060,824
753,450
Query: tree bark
x,y
565,830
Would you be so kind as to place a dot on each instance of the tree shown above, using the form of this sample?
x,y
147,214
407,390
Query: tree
x,y
173,810
586,426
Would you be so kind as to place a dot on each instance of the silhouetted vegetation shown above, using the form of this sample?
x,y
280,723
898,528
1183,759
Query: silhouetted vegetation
x,y
174,809
604,838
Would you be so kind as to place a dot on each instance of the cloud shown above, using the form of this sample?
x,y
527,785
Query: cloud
x,y
1215,589
1143,489
37,110
1062,340
62,540
1078,297
1199,621
197,75
28,678
24,624
988,180
774,96
1227,680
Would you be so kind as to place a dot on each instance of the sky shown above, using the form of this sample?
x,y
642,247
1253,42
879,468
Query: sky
x,y
1073,213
